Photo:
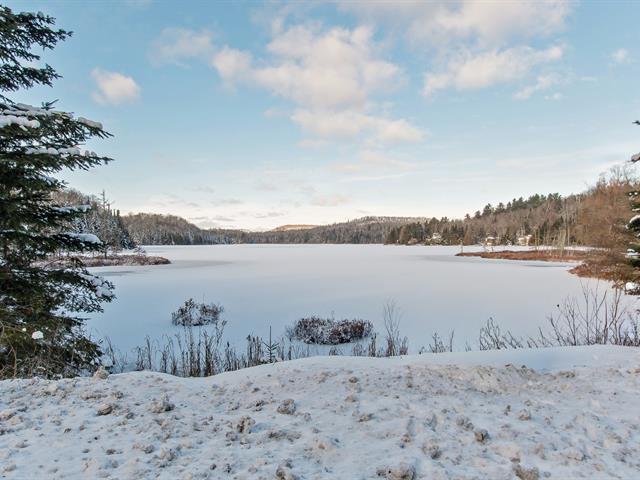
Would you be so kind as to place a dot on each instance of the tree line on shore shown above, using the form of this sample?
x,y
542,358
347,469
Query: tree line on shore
x,y
597,217
99,218
156,229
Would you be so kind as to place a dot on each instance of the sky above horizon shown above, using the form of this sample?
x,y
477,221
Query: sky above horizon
x,y
254,115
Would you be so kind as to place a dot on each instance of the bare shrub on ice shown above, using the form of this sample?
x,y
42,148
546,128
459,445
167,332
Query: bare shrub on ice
x,y
596,317
197,314
394,344
327,331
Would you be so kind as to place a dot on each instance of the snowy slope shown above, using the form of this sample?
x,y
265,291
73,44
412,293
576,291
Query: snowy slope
x,y
474,415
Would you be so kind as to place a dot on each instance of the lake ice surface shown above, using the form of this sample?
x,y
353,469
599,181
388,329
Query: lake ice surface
x,y
274,285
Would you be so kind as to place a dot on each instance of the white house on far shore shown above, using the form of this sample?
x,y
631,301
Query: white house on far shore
x,y
524,240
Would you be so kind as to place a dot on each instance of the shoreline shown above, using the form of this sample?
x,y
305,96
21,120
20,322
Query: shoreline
x,y
566,255
588,264
110,261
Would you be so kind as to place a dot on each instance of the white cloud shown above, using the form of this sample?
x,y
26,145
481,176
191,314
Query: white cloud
x,y
331,200
174,45
232,65
621,55
271,214
114,88
331,69
375,161
543,82
554,96
331,76
226,202
474,42
438,23
352,123
489,68
379,159
396,131
328,124
312,143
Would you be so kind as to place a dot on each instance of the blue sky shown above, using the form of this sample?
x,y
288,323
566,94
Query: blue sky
x,y
253,115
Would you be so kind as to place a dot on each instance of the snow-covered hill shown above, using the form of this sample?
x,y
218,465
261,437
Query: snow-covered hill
x,y
570,412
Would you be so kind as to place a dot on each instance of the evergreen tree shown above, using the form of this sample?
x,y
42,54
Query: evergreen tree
x,y
633,253
40,330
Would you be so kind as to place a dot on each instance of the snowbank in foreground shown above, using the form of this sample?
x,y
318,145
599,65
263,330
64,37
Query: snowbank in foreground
x,y
487,416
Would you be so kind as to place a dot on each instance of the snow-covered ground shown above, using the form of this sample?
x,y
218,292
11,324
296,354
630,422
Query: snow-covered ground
x,y
570,412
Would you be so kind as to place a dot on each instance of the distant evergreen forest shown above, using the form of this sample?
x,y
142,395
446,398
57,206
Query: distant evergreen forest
x,y
154,229
597,217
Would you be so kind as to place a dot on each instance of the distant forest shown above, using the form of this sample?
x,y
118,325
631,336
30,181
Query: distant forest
x,y
597,217
154,229
539,219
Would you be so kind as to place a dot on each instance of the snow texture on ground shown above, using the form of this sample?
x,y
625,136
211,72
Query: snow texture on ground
x,y
475,415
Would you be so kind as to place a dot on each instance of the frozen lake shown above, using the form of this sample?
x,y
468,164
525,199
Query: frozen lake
x,y
273,285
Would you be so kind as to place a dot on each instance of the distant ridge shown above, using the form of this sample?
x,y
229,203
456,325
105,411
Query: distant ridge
x,y
156,229
286,228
